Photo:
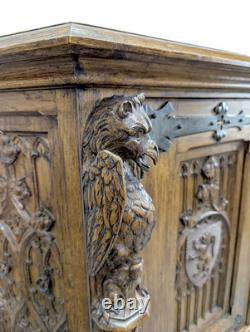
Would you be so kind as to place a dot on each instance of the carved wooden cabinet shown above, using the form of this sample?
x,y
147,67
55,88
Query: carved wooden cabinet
x,y
77,106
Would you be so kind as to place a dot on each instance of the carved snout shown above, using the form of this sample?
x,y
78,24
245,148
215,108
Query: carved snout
x,y
152,150
149,151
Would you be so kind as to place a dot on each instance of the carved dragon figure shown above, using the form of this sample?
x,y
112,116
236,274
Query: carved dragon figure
x,y
119,213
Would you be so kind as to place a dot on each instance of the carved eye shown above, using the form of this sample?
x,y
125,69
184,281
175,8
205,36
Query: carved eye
x,y
125,109
140,132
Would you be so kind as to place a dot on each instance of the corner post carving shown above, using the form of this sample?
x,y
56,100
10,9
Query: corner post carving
x,y
119,213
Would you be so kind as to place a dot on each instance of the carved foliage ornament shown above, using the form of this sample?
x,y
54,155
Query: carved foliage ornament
x,y
119,213
30,267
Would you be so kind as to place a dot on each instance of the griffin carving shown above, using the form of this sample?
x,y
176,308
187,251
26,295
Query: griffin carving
x,y
119,213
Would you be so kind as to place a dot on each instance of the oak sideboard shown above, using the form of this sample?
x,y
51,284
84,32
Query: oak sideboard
x,y
124,184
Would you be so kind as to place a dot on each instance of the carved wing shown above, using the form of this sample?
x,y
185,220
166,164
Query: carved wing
x,y
104,194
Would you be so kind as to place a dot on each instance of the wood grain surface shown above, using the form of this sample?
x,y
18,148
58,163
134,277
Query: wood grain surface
x,y
50,81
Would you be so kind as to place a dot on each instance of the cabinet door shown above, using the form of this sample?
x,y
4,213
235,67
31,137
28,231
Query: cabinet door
x,y
192,263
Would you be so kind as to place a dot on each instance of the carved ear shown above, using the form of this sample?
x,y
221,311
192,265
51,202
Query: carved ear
x,y
140,98
125,108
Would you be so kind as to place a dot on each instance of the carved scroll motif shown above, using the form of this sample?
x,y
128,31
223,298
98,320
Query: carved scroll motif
x,y
119,213
31,288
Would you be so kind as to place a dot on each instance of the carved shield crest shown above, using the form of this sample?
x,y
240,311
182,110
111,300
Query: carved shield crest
x,y
203,247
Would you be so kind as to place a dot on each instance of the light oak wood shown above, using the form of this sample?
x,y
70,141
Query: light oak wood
x,y
50,81
245,329
68,53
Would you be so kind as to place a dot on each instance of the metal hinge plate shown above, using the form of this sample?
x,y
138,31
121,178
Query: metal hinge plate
x,y
167,127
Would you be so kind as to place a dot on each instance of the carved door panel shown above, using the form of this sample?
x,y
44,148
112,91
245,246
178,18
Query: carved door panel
x,y
191,263
31,275
207,229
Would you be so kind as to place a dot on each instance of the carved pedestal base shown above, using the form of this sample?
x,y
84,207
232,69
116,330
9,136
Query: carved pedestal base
x,y
123,319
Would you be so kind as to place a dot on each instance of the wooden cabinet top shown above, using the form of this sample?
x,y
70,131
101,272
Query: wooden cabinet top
x,y
74,53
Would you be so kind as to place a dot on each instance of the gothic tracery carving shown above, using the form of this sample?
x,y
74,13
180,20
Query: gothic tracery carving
x,y
203,228
31,291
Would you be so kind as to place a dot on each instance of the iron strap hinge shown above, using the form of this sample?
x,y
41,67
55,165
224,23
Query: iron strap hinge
x,y
167,127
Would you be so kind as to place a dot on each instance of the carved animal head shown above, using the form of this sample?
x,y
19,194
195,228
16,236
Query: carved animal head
x,y
209,168
121,125
8,150
20,189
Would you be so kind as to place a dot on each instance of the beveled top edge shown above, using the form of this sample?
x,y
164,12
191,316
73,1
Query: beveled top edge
x,y
86,36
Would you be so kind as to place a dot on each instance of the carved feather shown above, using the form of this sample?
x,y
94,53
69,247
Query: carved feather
x,y
104,193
